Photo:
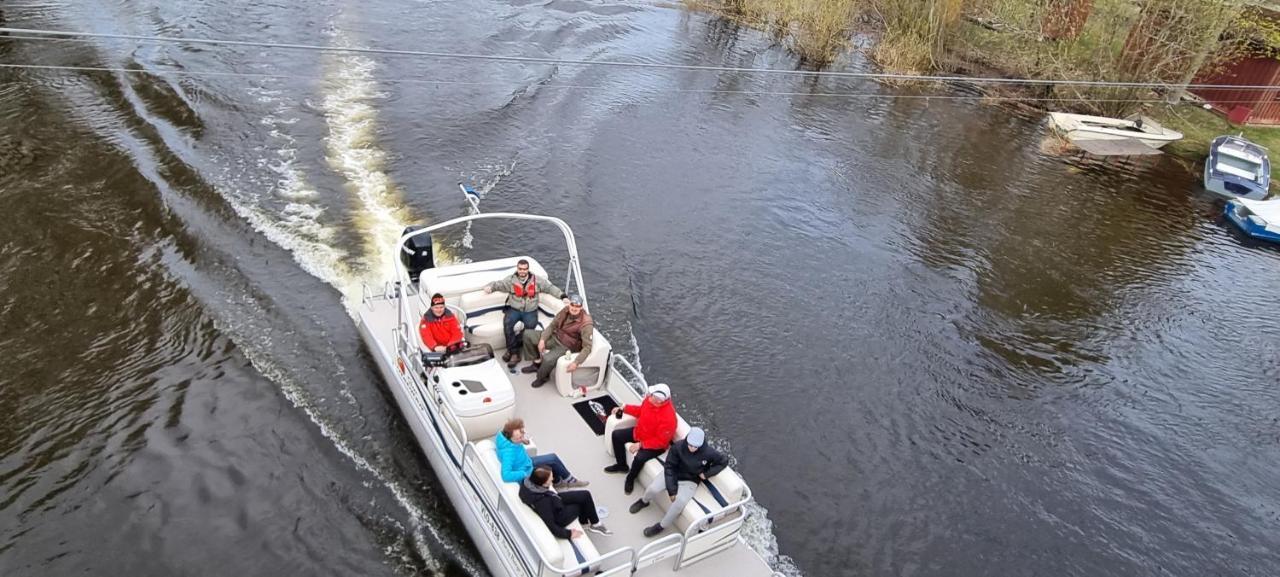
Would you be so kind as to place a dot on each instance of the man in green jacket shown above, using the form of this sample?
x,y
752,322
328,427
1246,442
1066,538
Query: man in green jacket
x,y
570,331
522,305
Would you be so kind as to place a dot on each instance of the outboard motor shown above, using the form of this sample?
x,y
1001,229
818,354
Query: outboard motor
x,y
415,254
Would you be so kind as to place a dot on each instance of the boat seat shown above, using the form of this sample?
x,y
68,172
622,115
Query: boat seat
x,y
486,313
557,552
723,489
590,372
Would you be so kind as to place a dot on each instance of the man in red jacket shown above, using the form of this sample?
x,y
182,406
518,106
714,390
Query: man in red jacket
x,y
439,327
655,427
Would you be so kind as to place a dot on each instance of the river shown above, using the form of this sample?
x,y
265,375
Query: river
x,y
932,345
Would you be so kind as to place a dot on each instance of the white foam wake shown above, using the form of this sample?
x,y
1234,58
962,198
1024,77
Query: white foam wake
x,y
351,149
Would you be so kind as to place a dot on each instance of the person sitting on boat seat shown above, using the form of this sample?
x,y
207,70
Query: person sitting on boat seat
x,y
522,305
517,465
689,462
570,331
439,328
655,427
558,509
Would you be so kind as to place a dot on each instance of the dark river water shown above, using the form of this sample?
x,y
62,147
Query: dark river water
x,y
933,346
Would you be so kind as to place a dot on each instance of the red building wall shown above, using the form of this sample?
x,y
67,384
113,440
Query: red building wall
x,y
1265,104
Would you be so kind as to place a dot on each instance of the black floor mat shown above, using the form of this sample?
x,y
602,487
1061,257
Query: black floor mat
x,y
593,421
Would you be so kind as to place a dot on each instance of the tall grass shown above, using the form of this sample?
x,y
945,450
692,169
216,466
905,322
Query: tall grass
x,y
817,31
917,33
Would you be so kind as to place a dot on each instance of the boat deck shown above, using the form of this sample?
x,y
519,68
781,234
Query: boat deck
x,y
553,424
556,427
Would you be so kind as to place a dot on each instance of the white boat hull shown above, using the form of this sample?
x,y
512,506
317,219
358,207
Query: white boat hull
x,y
1078,127
415,414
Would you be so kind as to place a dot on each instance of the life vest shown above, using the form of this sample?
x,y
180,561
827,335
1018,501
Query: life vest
x,y
527,290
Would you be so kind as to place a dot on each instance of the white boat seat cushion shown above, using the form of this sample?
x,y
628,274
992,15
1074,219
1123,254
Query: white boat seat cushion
x,y
558,552
487,312
727,485
611,423
590,371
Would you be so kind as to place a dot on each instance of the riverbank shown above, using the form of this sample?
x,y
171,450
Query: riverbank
x,y
1199,127
1077,40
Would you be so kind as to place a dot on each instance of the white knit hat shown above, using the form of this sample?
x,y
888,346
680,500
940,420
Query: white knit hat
x,y
661,391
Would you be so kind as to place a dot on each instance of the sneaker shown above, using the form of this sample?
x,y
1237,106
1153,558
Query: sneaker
x,y
506,357
572,483
538,383
599,529
512,360
530,369
653,530
637,506
615,468
629,486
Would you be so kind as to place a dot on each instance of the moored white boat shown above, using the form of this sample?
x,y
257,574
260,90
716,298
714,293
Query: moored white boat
x,y
1077,127
456,403
1237,168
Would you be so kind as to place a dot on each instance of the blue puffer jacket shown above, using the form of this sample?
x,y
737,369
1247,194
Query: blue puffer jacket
x,y
516,464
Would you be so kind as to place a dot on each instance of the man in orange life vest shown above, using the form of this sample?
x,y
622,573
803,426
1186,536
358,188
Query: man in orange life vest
x,y
439,327
522,305
570,332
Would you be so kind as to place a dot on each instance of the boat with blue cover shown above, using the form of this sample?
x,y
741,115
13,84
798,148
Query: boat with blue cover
x,y
1237,168
1257,218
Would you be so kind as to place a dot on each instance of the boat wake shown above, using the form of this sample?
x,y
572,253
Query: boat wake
x,y
351,150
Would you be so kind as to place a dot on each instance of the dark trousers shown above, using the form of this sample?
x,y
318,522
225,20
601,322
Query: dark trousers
x,y
620,439
559,472
530,320
577,505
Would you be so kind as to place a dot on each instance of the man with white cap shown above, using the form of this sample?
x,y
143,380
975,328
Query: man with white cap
x,y
689,462
655,427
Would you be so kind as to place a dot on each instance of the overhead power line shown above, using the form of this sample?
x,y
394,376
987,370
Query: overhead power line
x,y
32,34
586,87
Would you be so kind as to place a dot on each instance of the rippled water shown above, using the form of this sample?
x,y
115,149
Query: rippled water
x,y
933,345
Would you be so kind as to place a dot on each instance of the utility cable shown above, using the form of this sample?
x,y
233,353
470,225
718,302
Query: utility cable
x,y
30,32
587,87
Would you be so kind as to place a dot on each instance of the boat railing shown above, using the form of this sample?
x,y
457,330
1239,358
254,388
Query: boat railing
x,y
703,530
658,550
635,380
507,524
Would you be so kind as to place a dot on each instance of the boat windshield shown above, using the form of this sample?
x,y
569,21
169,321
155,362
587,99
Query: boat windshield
x,y
1240,164
471,355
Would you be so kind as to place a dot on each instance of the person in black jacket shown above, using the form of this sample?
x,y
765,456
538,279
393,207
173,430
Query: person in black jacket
x,y
560,509
689,462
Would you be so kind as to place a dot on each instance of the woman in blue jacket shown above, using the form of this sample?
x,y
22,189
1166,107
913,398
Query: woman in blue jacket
x,y
517,465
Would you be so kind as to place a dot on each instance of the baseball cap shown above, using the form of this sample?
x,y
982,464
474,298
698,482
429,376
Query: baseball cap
x,y
661,391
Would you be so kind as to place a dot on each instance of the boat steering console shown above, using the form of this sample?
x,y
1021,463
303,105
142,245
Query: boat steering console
x,y
459,354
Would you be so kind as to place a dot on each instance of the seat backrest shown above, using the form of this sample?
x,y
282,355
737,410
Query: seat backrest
x,y
455,280
532,524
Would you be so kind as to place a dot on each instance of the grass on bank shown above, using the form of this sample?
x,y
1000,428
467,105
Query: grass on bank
x,y
1199,127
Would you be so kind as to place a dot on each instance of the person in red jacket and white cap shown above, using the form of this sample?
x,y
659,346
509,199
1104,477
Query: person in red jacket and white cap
x,y
655,427
439,328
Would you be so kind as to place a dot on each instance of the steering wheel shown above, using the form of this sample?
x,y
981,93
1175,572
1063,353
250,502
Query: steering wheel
x,y
455,347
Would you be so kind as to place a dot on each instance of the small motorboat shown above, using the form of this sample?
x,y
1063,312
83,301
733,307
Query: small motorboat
x,y
1082,127
1257,218
1237,168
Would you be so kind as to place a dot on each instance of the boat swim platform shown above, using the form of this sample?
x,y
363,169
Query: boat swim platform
x,y
1117,147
